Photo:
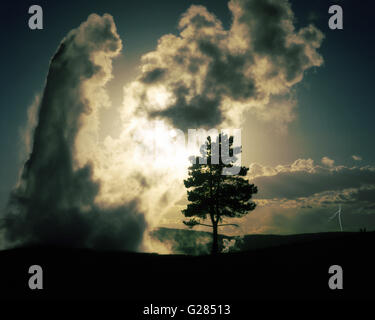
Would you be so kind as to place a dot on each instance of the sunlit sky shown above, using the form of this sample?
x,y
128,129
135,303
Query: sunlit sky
x,y
332,118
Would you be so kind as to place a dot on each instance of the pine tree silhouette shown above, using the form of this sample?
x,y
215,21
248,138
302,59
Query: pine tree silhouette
x,y
214,194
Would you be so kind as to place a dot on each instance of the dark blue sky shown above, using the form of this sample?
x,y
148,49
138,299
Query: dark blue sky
x,y
335,103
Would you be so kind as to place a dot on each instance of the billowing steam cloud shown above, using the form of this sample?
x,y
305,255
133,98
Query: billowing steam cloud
x,y
78,191
204,77
207,76
54,201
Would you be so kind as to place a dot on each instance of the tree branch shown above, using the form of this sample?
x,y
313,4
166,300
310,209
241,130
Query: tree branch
x,y
228,224
206,225
219,225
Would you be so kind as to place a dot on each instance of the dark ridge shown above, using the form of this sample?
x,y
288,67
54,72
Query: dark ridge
x,y
296,270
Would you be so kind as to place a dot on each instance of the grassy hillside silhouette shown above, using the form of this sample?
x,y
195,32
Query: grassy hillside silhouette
x,y
293,270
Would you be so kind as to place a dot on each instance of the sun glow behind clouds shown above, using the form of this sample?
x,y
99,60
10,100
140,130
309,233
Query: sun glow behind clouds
x,y
159,96
162,147
147,162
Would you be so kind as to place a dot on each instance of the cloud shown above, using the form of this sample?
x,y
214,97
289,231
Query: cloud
x,y
54,201
211,75
356,158
300,197
328,162
303,178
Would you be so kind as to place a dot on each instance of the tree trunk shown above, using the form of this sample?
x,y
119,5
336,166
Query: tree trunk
x,y
215,247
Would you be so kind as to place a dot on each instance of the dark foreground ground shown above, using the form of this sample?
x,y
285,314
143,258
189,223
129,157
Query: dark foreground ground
x,y
290,271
